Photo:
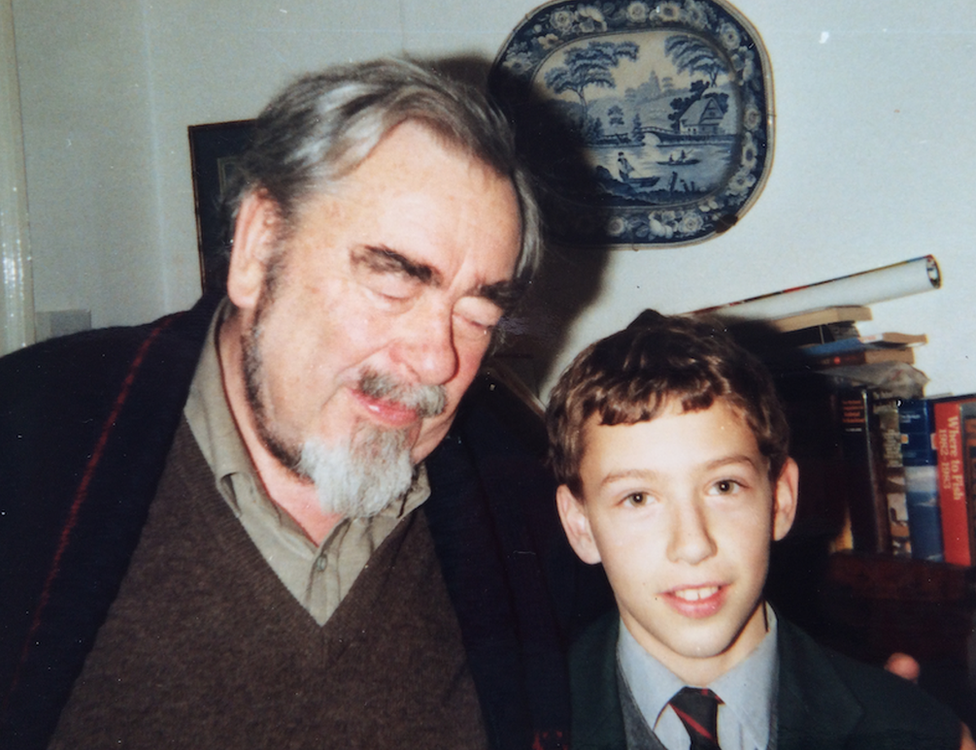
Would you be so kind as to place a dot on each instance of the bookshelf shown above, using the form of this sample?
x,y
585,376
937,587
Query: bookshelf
x,y
885,604
852,572
870,606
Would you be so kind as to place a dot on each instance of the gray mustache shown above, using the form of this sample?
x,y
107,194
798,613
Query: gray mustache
x,y
426,400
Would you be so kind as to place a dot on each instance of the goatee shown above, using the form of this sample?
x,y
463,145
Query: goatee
x,y
363,475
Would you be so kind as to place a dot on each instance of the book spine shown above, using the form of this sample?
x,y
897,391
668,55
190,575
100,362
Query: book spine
x,y
861,344
885,421
953,501
833,348
921,479
967,418
814,335
863,357
867,504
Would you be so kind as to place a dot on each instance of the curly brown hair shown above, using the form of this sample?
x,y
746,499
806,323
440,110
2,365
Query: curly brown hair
x,y
632,375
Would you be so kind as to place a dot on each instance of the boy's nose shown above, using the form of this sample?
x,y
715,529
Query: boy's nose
x,y
691,541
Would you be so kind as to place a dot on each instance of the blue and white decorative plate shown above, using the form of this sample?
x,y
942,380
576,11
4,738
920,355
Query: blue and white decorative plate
x,y
648,123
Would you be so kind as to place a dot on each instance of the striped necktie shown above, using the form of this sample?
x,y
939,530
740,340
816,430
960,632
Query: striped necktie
x,y
698,710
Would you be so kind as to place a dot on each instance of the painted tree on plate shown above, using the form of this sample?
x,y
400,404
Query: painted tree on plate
x,y
591,65
695,55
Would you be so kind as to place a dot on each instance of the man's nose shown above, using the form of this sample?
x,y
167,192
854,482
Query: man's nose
x,y
428,347
690,541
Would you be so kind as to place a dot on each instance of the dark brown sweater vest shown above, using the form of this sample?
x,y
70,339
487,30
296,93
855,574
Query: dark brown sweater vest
x,y
205,647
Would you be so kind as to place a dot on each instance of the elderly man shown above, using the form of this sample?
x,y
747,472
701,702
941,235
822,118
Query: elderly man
x,y
231,528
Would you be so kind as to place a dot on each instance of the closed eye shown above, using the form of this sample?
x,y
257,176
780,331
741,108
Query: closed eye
x,y
479,314
391,275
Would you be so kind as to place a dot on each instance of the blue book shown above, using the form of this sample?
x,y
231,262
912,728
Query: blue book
x,y
920,457
863,343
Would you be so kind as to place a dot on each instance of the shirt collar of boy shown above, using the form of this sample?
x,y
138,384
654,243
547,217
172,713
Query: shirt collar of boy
x,y
746,718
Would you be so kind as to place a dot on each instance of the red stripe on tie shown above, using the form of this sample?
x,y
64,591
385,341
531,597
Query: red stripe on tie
x,y
693,723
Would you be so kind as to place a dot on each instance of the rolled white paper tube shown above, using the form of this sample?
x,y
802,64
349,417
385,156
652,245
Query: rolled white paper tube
x,y
877,285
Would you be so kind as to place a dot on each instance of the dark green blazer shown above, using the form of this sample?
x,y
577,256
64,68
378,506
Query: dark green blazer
x,y
825,699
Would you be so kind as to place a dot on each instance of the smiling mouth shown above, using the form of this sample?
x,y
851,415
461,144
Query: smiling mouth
x,y
695,594
393,413
388,395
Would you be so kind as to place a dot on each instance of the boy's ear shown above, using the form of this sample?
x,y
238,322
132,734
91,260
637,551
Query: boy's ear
x,y
256,233
576,524
785,495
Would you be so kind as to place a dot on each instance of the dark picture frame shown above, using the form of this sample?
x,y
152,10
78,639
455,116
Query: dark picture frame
x,y
214,152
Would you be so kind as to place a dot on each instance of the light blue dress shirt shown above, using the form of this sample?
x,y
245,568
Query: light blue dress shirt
x,y
747,714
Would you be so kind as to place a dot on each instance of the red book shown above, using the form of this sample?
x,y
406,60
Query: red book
x,y
865,357
953,504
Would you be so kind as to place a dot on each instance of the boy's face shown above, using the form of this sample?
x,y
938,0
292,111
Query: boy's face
x,y
681,512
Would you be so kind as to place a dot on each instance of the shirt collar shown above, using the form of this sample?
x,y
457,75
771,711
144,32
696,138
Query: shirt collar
x,y
748,690
651,683
210,418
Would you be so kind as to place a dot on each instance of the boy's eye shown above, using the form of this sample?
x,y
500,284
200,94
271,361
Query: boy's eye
x,y
637,499
725,487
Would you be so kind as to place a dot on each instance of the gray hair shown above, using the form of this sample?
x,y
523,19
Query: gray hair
x,y
325,124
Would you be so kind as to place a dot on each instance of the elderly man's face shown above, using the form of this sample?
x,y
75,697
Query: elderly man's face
x,y
382,300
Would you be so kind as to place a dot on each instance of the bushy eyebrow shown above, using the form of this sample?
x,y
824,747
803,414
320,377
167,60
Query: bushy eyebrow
x,y
502,293
384,260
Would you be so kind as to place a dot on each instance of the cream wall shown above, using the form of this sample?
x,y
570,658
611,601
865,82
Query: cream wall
x,y
874,151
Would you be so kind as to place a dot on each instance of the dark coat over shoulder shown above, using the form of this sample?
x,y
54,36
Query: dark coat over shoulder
x,y
826,701
86,423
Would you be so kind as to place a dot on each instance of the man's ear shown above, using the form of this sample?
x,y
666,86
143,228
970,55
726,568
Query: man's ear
x,y
576,524
256,234
785,494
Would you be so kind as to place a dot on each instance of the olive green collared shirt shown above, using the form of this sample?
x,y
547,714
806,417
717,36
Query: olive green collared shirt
x,y
318,576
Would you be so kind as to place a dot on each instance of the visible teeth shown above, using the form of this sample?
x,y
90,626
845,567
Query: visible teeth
x,y
694,595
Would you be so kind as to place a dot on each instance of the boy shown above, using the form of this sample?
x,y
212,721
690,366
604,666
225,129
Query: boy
x,y
671,450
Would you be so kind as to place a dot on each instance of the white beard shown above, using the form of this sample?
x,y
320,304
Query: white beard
x,y
361,476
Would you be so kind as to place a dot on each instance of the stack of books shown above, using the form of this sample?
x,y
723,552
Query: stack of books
x,y
861,428
828,338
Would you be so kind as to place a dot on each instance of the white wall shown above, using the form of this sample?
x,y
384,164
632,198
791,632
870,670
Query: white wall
x,y
874,149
